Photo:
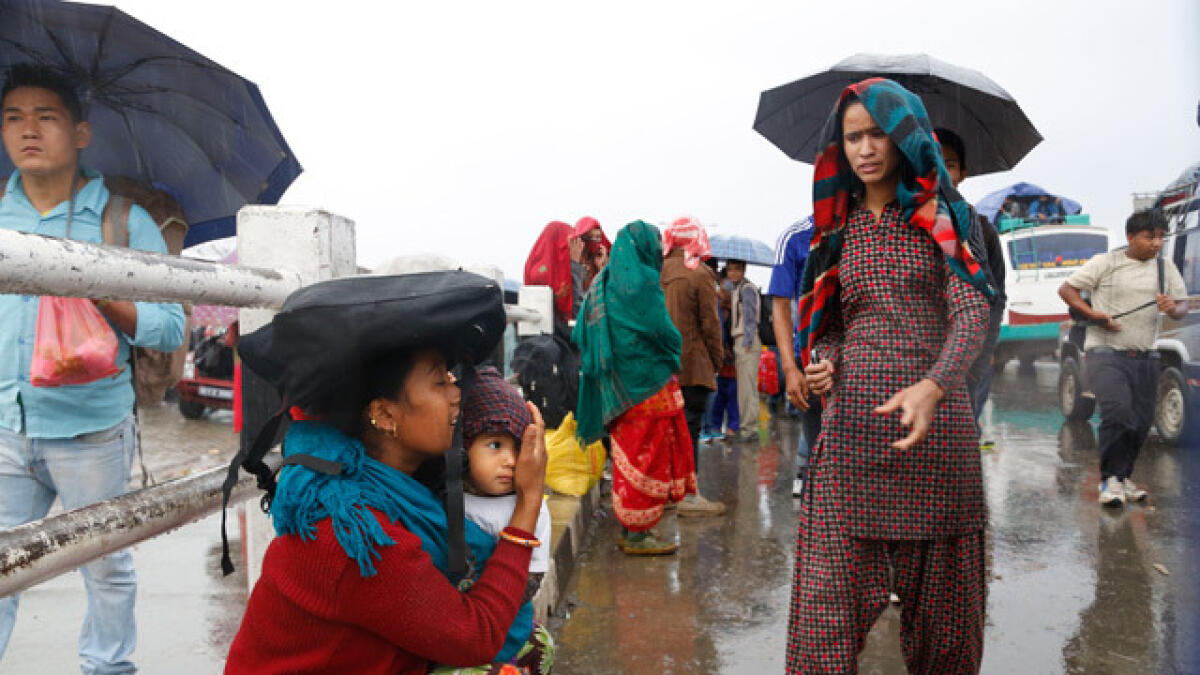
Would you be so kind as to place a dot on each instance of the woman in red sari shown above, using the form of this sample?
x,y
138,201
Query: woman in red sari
x,y
630,353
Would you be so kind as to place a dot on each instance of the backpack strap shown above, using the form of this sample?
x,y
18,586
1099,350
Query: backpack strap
x,y
456,547
1162,282
114,221
251,458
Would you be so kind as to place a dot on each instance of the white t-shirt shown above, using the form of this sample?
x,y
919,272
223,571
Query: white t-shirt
x,y
1118,284
492,514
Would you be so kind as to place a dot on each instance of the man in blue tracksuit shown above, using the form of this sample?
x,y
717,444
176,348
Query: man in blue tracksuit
x,y
791,252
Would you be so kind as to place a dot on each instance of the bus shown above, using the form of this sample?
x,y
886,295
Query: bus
x,y
1039,257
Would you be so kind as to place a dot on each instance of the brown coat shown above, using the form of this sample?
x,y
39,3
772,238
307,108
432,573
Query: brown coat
x,y
692,303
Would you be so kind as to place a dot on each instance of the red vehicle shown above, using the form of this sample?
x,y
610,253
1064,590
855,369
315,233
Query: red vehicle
x,y
207,381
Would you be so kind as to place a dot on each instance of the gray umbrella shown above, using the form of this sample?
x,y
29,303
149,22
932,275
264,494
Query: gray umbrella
x,y
995,131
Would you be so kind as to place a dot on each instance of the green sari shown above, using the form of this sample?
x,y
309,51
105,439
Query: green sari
x,y
629,346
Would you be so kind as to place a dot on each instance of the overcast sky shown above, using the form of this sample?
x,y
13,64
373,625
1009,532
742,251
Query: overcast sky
x,y
462,128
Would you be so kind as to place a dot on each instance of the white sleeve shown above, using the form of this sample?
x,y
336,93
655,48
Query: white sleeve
x,y
540,562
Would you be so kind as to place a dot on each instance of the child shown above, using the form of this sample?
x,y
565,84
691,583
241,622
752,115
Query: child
x,y
725,404
494,418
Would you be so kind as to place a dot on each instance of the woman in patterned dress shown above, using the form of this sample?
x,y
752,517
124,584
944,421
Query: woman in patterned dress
x,y
893,312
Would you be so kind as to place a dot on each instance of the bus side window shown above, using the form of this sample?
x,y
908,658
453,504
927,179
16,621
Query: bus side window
x,y
1187,259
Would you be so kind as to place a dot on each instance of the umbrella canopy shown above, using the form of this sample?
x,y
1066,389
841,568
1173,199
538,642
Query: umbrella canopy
x,y
995,131
160,112
990,205
753,251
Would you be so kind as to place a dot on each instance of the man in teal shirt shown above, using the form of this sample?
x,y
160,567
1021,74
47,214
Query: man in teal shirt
x,y
75,442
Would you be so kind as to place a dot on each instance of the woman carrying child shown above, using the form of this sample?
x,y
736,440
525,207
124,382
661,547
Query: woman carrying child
x,y
361,578
630,353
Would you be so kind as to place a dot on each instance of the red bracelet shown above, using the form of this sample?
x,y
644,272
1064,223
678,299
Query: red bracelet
x,y
519,541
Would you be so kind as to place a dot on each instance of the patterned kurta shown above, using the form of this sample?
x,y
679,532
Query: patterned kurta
x,y
903,317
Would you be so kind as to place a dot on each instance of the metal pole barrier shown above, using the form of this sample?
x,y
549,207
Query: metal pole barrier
x,y
35,264
316,245
34,552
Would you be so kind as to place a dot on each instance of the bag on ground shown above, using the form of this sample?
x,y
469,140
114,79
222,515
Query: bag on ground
x,y
570,468
73,344
768,373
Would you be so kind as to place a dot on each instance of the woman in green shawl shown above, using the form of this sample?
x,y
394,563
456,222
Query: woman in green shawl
x,y
630,354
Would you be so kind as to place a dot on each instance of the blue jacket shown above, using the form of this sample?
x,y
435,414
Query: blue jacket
x,y
68,411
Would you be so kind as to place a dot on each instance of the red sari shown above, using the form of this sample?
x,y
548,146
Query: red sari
x,y
549,264
652,459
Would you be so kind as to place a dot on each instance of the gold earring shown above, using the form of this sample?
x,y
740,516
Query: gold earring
x,y
374,423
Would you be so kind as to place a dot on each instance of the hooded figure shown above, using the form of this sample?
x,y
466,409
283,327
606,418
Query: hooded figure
x,y
630,354
549,264
894,310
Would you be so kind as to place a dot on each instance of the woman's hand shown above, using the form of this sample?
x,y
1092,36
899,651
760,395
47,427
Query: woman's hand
x,y
530,473
819,377
575,249
918,403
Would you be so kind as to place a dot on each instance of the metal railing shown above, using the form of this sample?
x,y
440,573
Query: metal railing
x,y
41,265
36,551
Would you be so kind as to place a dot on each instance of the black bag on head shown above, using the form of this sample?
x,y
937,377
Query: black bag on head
x,y
317,349
548,371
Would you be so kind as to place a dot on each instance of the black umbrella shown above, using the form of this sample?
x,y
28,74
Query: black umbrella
x,y
160,112
995,131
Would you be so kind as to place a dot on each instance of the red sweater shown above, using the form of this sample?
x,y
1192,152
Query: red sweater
x,y
313,612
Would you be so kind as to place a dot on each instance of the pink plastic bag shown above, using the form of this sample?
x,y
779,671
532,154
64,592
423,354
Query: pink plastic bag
x,y
73,343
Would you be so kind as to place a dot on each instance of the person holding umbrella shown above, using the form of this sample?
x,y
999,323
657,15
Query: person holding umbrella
x,y
893,311
745,307
76,443
979,377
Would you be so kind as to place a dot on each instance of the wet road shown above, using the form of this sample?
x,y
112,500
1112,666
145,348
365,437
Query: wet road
x,y
1074,588
187,613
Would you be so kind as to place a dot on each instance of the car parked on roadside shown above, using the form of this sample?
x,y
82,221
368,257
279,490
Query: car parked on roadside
x,y
207,381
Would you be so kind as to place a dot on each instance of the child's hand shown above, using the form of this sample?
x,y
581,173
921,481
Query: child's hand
x,y
531,462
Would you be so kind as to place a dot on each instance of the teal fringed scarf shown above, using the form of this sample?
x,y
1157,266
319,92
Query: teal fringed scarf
x,y
304,496
927,199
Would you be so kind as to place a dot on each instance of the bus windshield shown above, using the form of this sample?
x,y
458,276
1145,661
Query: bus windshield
x,y
1062,249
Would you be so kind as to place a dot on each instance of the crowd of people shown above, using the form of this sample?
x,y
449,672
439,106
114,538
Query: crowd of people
x,y
412,526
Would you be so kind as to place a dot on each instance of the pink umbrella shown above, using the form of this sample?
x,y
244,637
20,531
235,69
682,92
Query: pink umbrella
x,y
214,315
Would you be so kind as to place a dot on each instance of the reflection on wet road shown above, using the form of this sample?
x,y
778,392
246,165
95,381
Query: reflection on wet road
x,y
1075,588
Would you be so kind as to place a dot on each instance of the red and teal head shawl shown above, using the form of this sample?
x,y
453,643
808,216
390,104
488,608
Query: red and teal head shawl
x,y
926,197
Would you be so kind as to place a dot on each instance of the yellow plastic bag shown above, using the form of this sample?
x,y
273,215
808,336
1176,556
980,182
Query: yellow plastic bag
x,y
571,469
